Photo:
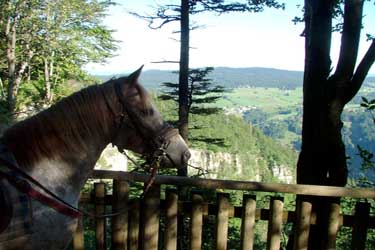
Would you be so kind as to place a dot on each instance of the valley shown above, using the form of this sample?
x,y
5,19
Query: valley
x,y
261,122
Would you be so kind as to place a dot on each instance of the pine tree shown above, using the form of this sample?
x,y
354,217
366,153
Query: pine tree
x,y
202,92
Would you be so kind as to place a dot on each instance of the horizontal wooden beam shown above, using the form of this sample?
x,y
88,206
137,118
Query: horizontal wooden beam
x,y
299,189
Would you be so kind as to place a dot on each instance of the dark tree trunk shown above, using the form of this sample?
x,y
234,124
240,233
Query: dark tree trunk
x,y
10,32
322,160
183,94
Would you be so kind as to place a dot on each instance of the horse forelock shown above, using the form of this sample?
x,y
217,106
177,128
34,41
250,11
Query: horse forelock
x,y
62,129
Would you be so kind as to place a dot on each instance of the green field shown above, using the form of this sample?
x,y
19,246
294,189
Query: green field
x,y
278,112
267,99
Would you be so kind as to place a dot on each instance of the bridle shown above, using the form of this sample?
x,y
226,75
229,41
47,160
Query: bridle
x,y
156,143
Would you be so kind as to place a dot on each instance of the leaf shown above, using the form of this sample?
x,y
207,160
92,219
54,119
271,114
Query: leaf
x,y
364,99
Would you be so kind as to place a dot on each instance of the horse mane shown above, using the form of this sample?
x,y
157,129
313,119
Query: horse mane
x,y
65,127
60,129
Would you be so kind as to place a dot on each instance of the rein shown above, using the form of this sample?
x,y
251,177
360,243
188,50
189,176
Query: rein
x,y
23,182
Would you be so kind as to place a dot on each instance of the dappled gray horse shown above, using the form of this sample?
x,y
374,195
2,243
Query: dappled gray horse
x,y
56,150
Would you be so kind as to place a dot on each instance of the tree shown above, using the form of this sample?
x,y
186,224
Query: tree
x,y
181,13
65,22
52,39
200,92
16,19
322,160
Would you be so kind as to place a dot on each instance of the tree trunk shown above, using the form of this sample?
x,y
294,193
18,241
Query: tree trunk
x,y
322,160
10,33
183,112
184,70
47,81
16,69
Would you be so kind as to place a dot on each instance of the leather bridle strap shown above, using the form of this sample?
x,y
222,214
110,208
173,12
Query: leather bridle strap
x,y
20,180
156,141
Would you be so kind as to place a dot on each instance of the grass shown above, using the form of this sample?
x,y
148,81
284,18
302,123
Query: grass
x,y
268,99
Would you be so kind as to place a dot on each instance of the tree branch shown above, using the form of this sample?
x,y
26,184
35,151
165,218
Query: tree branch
x,y
350,39
361,72
165,61
161,16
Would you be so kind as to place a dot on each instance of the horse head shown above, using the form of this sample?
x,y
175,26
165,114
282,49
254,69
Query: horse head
x,y
140,127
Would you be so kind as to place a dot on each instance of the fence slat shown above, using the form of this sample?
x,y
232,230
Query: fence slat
x,y
120,221
150,219
99,191
196,222
248,221
170,235
359,234
333,226
275,223
302,225
133,232
222,221
78,242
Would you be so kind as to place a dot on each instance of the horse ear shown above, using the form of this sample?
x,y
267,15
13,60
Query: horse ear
x,y
133,77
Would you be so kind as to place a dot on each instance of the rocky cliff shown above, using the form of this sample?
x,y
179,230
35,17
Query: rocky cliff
x,y
220,165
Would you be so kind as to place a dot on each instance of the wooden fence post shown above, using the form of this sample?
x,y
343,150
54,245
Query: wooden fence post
x,y
170,236
359,233
120,221
275,223
78,241
196,222
133,232
248,222
99,190
150,219
302,224
222,220
333,226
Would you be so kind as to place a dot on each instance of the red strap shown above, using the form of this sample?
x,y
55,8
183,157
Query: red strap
x,y
26,188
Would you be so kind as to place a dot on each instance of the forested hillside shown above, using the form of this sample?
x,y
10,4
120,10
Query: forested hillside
x,y
257,153
277,111
271,100
233,78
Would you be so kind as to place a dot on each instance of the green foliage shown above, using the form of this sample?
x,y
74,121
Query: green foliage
x,y
201,92
53,40
257,152
168,13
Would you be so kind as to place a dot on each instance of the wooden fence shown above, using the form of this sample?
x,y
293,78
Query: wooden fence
x,y
139,226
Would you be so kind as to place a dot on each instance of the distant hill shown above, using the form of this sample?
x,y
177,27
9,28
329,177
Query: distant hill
x,y
233,78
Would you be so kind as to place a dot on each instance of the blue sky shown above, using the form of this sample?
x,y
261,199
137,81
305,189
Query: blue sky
x,y
267,39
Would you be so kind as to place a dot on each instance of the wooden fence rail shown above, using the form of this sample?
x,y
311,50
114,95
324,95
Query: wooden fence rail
x,y
139,226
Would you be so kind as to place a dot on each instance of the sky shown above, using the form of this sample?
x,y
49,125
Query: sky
x,y
267,39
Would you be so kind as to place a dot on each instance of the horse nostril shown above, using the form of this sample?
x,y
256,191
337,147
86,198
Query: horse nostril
x,y
186,156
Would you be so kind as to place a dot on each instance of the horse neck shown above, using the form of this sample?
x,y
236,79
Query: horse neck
x,y
67,173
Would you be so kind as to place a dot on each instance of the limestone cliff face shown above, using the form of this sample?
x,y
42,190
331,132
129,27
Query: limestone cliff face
x,y
230,166
111,159
217,165
283,173
214,163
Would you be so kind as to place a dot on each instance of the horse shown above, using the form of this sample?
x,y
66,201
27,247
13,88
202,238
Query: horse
x,y
58,148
